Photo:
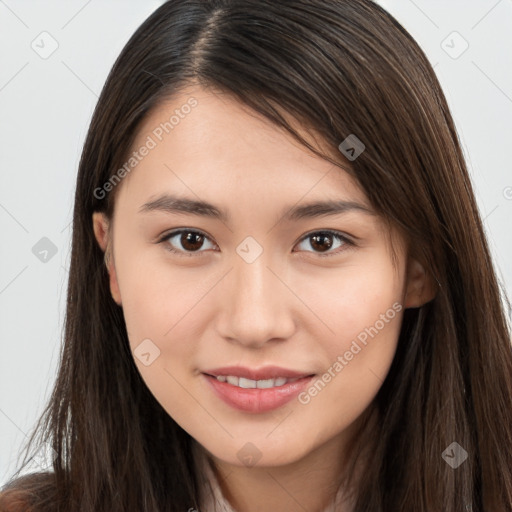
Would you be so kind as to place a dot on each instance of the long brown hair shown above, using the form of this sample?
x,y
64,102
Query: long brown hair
x,y
339,68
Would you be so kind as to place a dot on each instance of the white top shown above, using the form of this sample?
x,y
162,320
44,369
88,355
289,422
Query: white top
x,y
217,503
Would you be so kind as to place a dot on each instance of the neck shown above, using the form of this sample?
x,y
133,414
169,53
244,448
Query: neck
x,y
314,482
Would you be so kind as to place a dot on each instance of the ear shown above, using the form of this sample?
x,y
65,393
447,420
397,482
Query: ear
x,y
420,287
103,237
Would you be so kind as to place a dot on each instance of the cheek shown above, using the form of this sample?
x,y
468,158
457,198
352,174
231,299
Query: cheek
x,y
165,304
161,311
362,307
157,314
155,295
355,297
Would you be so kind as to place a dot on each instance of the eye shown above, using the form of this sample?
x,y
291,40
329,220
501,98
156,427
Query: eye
x,y
323,241
190,240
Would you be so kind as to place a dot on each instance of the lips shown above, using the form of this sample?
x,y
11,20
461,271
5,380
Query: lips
x,y
265,373
256,400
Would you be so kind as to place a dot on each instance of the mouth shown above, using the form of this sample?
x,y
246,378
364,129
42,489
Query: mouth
x,y
257,374
246,383
256,395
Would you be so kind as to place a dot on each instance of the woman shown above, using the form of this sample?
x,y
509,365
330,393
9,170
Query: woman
x,y
280,293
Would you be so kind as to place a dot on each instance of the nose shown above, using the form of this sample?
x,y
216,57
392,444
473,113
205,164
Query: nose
x,y
255,305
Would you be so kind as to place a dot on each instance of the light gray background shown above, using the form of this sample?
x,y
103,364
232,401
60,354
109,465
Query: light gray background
x,y
46,105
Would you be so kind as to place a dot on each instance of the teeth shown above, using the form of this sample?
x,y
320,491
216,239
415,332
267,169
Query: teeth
x,y
269,383
232,380
242,382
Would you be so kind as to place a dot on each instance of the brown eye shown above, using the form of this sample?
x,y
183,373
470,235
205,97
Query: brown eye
x,y
185,241
324,241
191,241
321,242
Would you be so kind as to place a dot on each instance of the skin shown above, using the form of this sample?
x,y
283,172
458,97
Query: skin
x,y
291,307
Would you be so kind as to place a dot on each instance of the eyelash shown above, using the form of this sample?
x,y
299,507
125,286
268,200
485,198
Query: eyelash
x,y
340,236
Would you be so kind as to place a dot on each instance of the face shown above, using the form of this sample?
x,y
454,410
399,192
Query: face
x,y
255,280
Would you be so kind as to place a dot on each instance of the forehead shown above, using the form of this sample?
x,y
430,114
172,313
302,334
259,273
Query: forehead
x,y
207,139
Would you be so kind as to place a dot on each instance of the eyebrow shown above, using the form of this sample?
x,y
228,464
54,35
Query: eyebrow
x,y
173,204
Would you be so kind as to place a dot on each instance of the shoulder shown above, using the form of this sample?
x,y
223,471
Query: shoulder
x,y
23,493
12,500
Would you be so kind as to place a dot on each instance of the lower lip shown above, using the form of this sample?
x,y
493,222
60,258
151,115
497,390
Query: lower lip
x,y
257,400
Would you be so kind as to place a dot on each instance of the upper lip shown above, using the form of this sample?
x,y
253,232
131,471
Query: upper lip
x,y
267,372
